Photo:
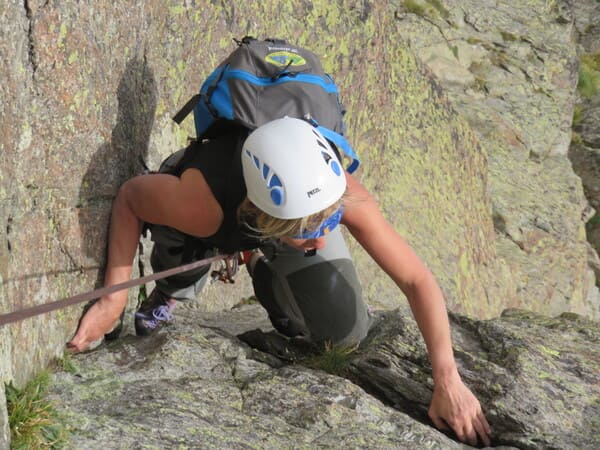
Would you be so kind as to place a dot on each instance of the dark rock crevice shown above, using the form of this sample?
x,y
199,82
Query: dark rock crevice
x,y
526,370
8,231
32,54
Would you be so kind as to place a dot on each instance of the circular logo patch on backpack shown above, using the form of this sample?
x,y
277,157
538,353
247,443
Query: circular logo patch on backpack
x,y
284,59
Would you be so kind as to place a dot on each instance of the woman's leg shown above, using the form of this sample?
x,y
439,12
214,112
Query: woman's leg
x,y
316,296
171,249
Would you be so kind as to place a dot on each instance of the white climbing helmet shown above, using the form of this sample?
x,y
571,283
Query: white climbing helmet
x,y
290,169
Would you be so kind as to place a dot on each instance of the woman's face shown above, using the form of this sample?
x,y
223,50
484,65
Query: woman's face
x,y
306,244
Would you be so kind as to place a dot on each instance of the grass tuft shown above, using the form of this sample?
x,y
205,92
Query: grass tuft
x,y
67,364
142,295
33,421
333,359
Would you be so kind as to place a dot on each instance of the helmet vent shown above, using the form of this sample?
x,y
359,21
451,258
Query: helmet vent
x,y
273,182
332,163
320,140
335,167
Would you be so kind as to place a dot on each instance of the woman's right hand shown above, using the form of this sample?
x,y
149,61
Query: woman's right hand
x,y
99,319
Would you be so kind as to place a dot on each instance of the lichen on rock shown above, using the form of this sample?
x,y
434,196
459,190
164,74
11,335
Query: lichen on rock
x,y
538,379
460,111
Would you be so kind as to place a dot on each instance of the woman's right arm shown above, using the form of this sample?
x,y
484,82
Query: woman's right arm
x,y
185,203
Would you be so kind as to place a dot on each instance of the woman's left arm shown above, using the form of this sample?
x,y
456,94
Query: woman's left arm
x,y
452,403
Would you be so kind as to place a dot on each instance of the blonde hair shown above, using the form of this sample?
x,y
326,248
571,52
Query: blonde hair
x,y
267,226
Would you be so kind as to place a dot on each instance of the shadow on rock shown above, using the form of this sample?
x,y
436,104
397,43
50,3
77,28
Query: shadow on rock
x,y
116,161
119,159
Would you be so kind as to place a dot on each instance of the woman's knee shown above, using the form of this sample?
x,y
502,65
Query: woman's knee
x,y
323,299
330,298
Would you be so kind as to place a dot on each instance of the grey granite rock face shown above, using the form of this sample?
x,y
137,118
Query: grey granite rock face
x,y
587,25
511,71
88,91
585,149
538,378
465,145
196,385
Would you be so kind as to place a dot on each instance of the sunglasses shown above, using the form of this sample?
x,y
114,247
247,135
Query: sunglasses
x,y
326,227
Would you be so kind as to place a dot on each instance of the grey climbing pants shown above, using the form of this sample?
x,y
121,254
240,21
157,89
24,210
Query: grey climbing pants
x,y
317,296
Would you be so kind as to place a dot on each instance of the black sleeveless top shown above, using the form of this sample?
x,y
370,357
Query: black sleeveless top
x,y
219,160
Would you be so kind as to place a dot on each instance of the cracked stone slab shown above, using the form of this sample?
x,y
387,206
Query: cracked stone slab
x,y
537,377
195,386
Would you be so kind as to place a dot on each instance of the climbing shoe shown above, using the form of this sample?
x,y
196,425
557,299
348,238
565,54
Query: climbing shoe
x,y
153,313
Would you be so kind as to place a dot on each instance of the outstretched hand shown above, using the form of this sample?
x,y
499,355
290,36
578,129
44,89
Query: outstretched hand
x,y
98,320
454,406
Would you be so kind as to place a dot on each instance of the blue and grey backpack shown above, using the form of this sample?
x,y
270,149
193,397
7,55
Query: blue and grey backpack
x,y
265,80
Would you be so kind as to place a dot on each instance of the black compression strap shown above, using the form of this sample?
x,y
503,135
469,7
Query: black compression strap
x,y
187,109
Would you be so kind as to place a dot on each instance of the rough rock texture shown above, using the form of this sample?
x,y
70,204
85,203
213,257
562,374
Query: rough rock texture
x,y
538,379
202,388
585,149
4,425
587,25
585,156
88,89
92,87
511,70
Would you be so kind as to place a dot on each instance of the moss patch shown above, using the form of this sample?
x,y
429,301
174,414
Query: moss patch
x,y
589,75
252,300
595,220
432,9
577,115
